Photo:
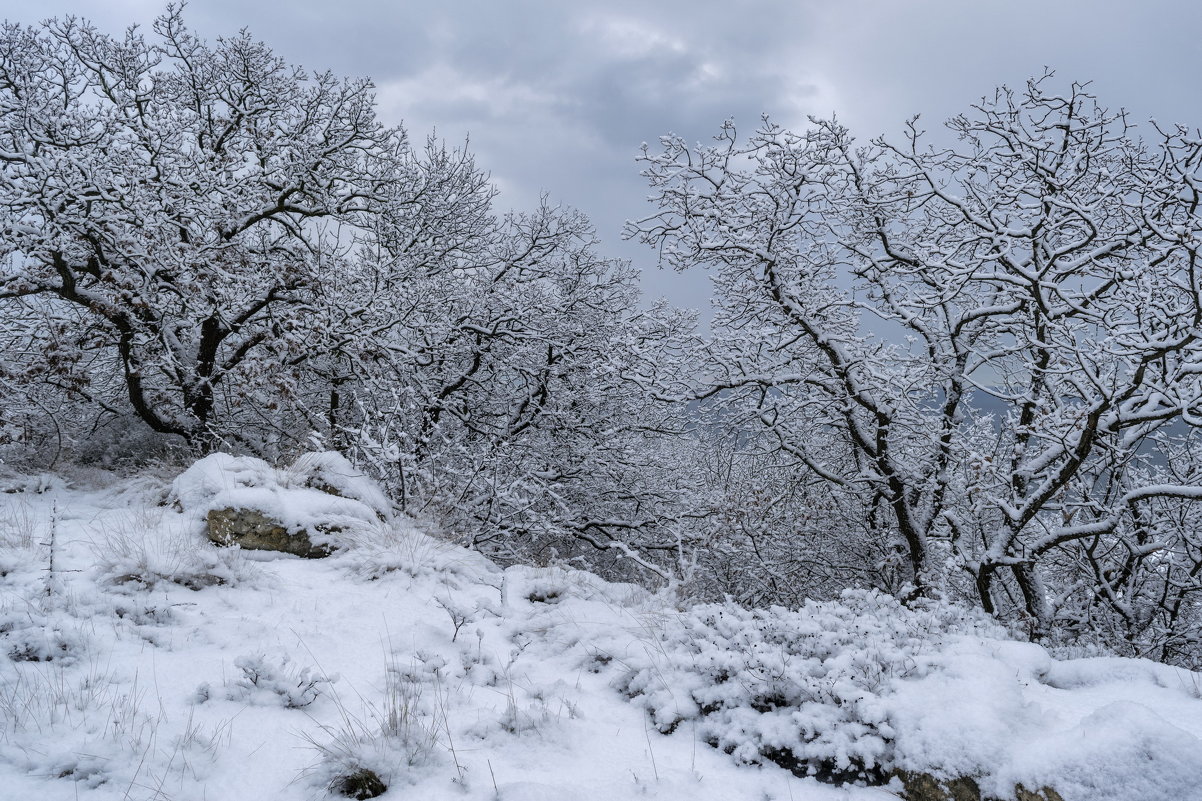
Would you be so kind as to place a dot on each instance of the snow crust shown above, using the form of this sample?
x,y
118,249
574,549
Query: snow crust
x,y
123,677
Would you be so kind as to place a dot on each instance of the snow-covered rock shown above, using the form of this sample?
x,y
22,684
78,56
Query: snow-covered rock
x,y
195,488
309,509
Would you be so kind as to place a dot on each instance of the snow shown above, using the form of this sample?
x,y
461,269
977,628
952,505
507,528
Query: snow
x,y
217,473
330,470
1108,729
150,664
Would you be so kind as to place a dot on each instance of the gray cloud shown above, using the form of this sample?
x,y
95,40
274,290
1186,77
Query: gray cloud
x,y
557,97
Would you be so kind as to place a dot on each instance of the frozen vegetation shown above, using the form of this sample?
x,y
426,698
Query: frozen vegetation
x,y
139,660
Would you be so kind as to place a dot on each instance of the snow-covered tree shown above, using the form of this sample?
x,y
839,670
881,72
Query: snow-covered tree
x,y
498,391
977,341
243,255
185,199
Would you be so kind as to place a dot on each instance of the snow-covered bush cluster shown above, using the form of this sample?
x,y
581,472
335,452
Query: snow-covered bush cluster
x,y
263,680
34,629
866,690
802,688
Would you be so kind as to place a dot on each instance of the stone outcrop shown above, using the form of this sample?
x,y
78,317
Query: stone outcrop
x,y
253,530
925,787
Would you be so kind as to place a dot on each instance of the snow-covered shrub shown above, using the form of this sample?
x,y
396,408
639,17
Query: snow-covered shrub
x,y
545,590
802,689
520,718
32,635
147,549
37,484
21,538
478,666
553,585
270,682
121,441
147,488
41,623
530,708
390,741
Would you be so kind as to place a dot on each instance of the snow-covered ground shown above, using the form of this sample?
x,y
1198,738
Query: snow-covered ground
x,y
139,661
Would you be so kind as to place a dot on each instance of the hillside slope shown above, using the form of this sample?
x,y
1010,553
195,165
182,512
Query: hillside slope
x,y
139,661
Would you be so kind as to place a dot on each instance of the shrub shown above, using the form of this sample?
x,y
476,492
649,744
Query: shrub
x,y
266,681
802,689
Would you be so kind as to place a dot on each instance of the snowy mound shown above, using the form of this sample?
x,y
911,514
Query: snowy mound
x,y
1093,729
320,496
170,673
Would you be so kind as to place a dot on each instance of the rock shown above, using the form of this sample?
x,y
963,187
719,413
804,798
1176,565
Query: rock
x,y
316,506
925,787
253,530
1046,794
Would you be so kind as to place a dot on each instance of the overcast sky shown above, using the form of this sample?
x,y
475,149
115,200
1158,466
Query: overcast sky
x,y
558,96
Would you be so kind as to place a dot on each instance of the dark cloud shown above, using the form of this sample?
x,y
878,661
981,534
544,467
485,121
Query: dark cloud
x,y
557,97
